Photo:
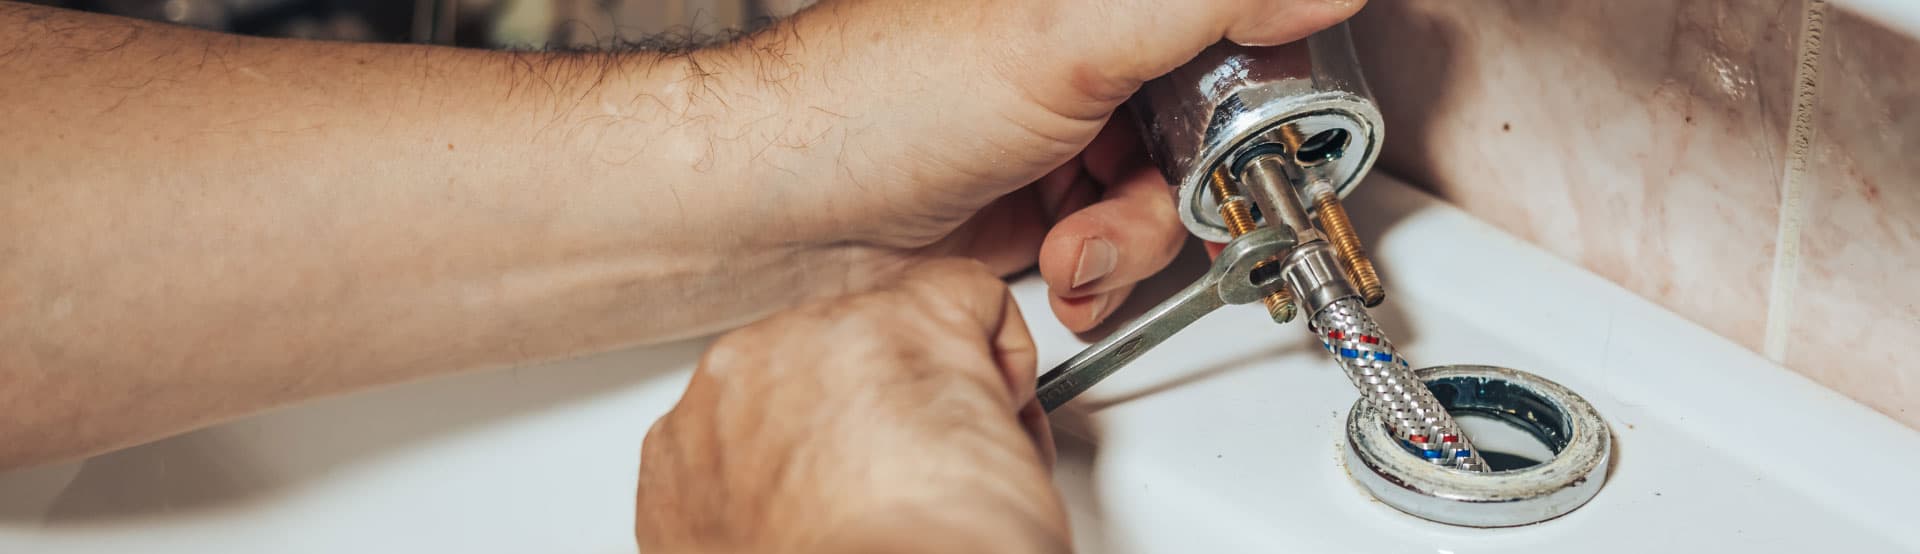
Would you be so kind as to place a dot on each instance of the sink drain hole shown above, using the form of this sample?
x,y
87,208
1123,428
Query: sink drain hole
x,y
1502,444
1512,426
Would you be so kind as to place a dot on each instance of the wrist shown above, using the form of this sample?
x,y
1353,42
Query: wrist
x,y
637,164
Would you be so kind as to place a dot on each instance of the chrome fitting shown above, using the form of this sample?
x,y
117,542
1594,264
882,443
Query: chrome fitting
x,y
1312,271
1306,99
1560,420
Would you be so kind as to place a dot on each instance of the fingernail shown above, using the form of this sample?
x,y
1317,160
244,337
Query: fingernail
x,y
1099,305
1097,258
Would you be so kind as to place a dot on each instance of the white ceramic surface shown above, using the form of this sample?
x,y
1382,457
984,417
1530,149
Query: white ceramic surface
x,y
1224,440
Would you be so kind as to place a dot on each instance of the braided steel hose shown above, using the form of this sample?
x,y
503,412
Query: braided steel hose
x,y
1384,378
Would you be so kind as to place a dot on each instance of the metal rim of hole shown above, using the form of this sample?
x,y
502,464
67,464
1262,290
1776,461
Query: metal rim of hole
x,y
1571,427
1311,114
1322,147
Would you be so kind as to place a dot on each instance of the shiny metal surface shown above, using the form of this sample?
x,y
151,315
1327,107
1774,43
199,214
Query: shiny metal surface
x,y
1277,120
1337,315
1389,388
1231,101
1556,416
1238,215
1312,271
1264,179
1346,241
1229,281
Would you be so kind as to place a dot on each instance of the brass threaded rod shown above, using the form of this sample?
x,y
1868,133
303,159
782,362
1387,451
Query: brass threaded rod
x,y
1239,219
1339,231
1237,214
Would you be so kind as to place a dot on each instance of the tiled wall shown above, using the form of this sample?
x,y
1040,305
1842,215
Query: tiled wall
x,y
1648,140
1856,316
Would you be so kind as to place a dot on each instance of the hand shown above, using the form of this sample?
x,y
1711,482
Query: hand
x,y
503,208
900,420
901,130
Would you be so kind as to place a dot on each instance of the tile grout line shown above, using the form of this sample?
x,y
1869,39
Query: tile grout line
x,y
1785,280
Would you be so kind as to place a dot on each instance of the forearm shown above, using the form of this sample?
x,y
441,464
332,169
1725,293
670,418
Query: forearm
x,y
199,226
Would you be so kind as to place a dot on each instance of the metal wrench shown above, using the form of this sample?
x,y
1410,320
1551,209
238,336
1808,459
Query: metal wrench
x,y
1229,281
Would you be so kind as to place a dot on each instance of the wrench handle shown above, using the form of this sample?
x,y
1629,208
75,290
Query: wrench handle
x,y
1097,362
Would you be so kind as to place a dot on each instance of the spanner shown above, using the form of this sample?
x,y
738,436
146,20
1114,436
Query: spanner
x,y
1229,281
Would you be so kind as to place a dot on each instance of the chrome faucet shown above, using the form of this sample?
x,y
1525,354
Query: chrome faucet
x,y
1262,142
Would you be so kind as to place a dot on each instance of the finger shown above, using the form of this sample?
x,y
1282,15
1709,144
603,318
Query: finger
x,y
1116,151
1055,186
1084,191
1130,235
1284,22
1033,418
1085,313
648,487
654,452
986,306
977,299
1012,345
1106,50
1116,157
1019,361
661,487
1006,235
1014,350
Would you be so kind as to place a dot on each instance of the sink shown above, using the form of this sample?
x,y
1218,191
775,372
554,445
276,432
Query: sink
x,y
1225,439
1228,438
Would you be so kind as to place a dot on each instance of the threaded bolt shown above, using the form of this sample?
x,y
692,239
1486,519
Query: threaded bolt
x,y
1238,215
1239,219
1339,229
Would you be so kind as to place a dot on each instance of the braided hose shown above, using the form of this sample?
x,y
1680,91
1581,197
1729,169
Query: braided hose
x,y
1383,377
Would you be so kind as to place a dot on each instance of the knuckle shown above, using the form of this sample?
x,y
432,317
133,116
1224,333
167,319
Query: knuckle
x,y
860,326
725,351
1173,239
661,431
945,272
959,287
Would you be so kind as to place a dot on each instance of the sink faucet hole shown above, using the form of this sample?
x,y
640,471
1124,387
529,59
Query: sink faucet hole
x,y
1322,147
1444,392
1512,426
1508,403
1502,444
1548,450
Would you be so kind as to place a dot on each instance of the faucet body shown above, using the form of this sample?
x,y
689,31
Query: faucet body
x,y
1292,129
1234,102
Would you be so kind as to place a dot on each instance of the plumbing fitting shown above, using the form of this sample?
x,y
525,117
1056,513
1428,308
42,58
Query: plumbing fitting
x,y
1232,100
1544,411
1389,389
1340,229
1238,218
1260,141
1338,316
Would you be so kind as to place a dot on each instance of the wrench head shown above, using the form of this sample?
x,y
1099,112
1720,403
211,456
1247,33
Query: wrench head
x,y
1233,270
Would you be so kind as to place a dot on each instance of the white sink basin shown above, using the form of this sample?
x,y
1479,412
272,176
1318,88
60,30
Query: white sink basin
x,y
1226,439
1229,437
